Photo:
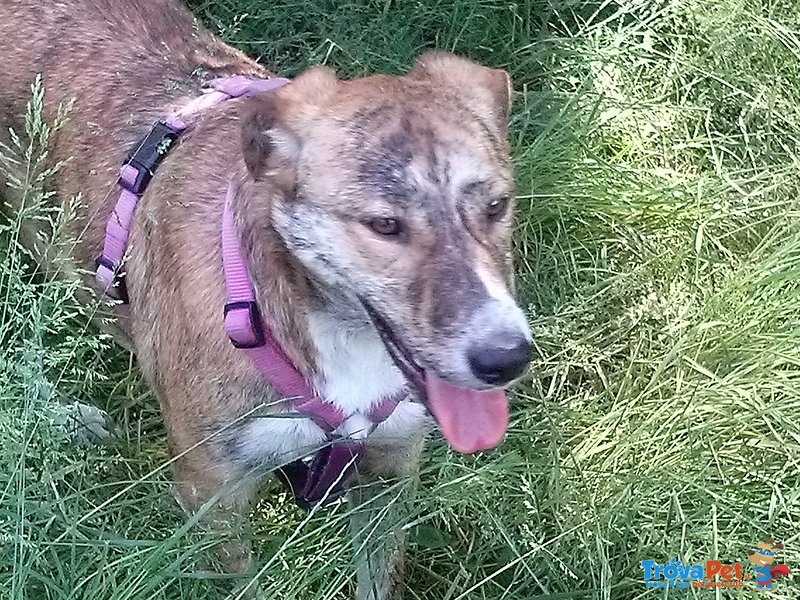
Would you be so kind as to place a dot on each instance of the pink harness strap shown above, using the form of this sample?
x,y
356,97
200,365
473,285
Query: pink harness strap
x,y
332,466
138,169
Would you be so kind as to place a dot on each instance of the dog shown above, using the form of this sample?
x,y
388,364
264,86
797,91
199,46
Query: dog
x,y
372,218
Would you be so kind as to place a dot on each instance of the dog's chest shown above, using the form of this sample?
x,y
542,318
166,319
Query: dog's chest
x,y
356,372
355,369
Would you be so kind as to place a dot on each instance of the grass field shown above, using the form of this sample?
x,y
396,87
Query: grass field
x,y
658,249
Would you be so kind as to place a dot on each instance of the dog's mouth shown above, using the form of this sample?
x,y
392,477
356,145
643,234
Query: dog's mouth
x,y
471,420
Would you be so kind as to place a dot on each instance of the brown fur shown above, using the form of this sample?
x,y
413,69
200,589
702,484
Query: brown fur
x,y
369,145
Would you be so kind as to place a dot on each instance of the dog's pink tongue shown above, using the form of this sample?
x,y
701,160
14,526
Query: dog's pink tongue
x,y
470,420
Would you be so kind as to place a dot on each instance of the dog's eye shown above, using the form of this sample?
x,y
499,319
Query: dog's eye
x,y
385,226
497,207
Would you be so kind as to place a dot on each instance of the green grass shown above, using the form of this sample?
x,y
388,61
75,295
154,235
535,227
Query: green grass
x,y
658,249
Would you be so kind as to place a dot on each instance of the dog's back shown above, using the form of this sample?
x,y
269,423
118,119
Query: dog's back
x,y
86,47
118,62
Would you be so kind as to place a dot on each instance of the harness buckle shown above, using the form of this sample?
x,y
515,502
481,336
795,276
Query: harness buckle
x,y
147,155
112,280
243,324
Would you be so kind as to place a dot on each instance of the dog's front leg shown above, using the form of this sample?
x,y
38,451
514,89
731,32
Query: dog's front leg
x,y
379,501
198,482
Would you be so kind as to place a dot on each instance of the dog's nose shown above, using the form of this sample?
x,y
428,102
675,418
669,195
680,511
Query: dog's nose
x,y
499,364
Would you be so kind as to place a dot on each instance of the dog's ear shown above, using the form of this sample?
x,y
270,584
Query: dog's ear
x,y
274,122
486,91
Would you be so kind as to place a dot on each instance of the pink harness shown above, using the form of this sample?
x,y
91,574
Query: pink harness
x,y
331,467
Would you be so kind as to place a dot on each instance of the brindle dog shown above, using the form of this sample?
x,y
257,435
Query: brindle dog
x,y
375,217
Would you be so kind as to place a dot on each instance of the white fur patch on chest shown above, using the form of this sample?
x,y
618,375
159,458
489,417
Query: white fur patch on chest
x,y
356,370
407,420
278,440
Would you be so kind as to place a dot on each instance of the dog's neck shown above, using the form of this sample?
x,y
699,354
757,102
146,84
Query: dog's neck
x,y
354,369
322,329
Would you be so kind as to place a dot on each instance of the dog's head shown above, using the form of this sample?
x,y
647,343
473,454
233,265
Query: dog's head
x,y
399,192
764,552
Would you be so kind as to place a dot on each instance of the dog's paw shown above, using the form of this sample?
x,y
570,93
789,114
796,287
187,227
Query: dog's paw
x,y
84,424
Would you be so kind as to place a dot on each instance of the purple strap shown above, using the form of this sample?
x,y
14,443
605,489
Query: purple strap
x,y
116,240
331,467
242,85
247,331
325,478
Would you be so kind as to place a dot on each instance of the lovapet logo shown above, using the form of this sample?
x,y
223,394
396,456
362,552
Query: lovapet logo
x,y
714,573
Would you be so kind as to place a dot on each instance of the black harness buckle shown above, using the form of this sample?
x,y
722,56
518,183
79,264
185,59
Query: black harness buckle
x,y
148,154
